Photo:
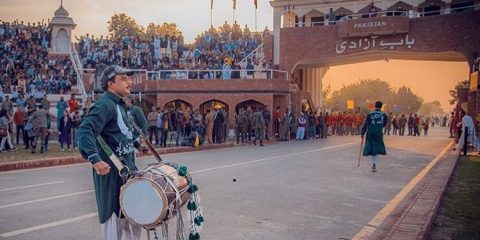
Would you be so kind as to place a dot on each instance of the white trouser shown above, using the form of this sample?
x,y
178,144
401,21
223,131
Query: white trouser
x,y
375,159
114,227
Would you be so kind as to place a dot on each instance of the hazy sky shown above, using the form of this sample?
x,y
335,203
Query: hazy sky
x,y
191,16
431,80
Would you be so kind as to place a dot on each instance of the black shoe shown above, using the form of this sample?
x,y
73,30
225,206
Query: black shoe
x,y
255,142
261,145
374,168
42,150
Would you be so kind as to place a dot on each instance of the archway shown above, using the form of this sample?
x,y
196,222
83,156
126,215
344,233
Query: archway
x,y
179,104
249,103
314,18
212,104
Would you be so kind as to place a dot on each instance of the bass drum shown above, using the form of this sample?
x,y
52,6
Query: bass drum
x,y
154,195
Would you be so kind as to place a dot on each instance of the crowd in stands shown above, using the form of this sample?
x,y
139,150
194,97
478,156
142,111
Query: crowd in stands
x,y
25,67
215,49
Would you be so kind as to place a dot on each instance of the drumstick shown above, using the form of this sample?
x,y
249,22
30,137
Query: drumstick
x,y
148,143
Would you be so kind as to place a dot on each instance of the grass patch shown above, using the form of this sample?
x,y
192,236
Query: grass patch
x,y
458,216
22,154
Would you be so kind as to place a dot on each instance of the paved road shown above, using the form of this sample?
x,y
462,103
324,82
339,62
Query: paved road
x,y
296,190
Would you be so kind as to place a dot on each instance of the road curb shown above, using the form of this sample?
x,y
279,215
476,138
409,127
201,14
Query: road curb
x,y
416,221
50,162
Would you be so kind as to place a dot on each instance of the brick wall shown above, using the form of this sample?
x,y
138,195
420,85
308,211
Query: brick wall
x,y
454,33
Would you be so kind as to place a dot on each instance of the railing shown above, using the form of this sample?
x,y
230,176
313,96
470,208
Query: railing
x,y
217,74
257,53
406,13
374,14
77,65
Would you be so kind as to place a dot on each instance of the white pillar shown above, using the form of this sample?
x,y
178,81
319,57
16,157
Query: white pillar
x,y
277,19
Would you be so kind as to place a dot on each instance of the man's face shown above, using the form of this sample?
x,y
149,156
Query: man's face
x,y
121,85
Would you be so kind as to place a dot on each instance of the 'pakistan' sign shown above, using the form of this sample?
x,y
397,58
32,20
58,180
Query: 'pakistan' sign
x,y
370,24
378,26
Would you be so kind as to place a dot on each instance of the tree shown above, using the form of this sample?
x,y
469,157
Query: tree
x,y
453,92
363,94
407,101
122,25
162,30
366,92
431,108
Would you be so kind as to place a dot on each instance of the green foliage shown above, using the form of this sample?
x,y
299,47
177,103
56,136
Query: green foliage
x,y
366,92
123,25
431,108
453,92
162,30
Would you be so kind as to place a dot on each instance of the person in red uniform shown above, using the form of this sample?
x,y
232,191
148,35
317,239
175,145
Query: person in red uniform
x,y
73,103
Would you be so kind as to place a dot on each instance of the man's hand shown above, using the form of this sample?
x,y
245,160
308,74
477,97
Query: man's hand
x,y
143,149
102,168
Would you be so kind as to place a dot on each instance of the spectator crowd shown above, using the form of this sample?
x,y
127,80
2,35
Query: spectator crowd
x,y
25,66
215,49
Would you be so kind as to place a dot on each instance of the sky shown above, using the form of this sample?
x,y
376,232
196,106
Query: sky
x,y
431,80
192,16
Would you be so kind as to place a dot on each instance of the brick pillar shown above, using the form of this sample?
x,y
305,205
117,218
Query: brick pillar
x,y
472,104
462,94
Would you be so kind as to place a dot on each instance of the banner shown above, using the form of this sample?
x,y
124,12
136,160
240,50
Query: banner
x,y
474,81
350,104
211,4
256,4
234,4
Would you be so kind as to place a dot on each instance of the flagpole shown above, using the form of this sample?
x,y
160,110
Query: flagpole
x,y
211,13
256,30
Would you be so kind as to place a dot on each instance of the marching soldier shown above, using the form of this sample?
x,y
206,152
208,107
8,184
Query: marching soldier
x,y
241,122
259,124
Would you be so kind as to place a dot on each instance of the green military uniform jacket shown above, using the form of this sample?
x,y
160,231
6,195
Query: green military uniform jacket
x,y
137,114
373,126
108,118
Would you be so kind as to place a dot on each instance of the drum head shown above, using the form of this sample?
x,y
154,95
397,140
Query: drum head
x,y
143,202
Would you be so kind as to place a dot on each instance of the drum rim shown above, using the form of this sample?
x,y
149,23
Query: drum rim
x,y
159,189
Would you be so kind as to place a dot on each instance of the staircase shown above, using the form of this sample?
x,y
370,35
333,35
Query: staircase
x,y
257,55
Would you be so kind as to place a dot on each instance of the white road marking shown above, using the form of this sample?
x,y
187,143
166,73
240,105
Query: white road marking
x,y
272,158
44,168
30,186
44,199
87,163
47,225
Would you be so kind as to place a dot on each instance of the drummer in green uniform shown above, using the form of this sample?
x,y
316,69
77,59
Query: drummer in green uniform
x,y
108,119
373,126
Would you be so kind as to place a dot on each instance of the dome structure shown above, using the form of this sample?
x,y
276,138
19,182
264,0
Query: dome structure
x,y
61,17
61,27
61,12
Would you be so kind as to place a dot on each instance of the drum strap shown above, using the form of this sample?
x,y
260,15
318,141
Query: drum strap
x,y
123,170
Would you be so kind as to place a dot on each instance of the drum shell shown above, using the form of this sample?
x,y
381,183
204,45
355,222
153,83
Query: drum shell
x,y
156,176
